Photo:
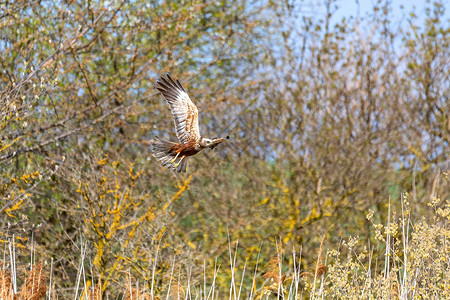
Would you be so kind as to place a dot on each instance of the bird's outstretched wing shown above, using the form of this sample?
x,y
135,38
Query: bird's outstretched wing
x,y
183,110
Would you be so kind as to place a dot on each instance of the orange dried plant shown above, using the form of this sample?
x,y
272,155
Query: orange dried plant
x,y
34,287
6,288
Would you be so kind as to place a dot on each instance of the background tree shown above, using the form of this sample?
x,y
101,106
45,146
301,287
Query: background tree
x,y
329,118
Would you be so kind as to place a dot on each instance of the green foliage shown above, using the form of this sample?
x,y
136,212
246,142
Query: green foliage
x,y
329,119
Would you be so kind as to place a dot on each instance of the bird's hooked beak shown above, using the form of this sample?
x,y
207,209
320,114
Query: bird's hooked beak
x,y
217,141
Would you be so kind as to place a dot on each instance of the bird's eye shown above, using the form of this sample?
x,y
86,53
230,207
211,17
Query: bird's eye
x,y
228,137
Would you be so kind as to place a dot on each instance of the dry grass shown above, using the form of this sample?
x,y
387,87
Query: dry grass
x,y
134,291
176,290
96,294
409,261
33,288
6,287
275,276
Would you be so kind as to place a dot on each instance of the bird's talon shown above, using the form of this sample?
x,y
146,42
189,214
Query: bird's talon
x,y
178,163
173,160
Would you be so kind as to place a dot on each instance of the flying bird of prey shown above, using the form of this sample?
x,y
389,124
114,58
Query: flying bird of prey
x,y
185,115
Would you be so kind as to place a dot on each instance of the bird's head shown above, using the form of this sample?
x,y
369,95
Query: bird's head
x,y
212,143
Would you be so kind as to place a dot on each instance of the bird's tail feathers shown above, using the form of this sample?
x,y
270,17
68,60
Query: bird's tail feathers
x,y
161,150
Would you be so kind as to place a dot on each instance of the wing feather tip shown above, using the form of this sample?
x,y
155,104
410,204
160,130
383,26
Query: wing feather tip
x,y
181,107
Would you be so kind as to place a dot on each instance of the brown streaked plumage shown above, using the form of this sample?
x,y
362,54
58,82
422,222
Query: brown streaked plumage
x,y
185,116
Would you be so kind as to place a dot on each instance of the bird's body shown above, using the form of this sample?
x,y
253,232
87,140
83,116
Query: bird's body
x,y
188,149
185,115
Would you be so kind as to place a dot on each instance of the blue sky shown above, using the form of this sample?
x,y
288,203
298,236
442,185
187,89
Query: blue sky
x,y
350,7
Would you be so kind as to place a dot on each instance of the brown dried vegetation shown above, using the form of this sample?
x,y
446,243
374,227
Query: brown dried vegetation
x,y
331,120
33,288
6,288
